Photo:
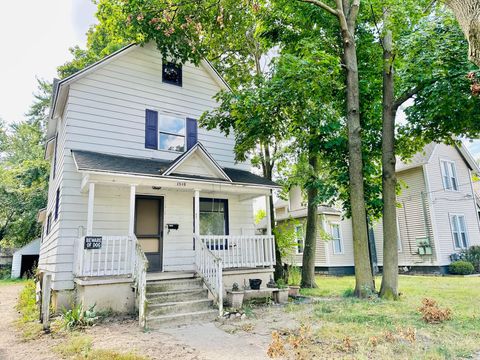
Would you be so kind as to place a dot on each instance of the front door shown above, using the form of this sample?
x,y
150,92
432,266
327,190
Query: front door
x,y
149,229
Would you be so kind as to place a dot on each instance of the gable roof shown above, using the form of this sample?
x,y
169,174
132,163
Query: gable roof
x,y
87,161
423,157
60,87
200,149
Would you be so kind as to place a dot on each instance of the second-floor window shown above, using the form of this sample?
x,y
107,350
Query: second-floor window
x,y
171,133
449,175
459,231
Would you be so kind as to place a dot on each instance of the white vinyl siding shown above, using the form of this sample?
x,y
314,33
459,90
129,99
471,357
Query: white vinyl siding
x,y
336,234
459,231
449,175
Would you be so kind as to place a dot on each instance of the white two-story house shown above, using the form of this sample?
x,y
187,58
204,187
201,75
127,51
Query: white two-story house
x,y
136,186
437,216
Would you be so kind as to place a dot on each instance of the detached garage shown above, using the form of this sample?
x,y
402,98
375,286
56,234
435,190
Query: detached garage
x,y
25,259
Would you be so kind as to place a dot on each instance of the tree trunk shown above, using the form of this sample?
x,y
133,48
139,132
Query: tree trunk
x,y
308,261
467,13
267,165
364,284
389,288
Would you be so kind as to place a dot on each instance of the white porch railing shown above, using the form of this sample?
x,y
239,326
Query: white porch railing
x,y
242,251
140,278
116,256
209,267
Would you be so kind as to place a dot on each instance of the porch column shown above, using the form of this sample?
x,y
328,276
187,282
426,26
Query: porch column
x,y
131,223
196,230
269,216
91,198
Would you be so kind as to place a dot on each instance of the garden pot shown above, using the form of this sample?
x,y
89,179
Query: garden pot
x,y
294,290
255,283
281,296
235,299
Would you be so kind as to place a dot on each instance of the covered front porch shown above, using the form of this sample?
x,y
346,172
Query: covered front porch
x,y
169,223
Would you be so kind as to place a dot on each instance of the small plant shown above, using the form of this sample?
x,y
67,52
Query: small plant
x,y
294,276
461,267
432,313
472,255
78,317
27,307
281,284
235,287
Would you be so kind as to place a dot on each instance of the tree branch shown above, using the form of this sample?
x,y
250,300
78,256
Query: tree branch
x,y
407,95
322,5
353,13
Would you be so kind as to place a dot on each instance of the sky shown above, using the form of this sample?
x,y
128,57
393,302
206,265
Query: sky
x,y
35,36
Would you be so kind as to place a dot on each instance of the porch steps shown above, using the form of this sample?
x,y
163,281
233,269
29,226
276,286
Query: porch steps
x,y
181,301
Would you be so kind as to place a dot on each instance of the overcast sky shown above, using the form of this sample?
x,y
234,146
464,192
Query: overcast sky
x,y
35,36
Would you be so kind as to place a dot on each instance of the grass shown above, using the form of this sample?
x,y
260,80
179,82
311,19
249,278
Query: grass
x,y
79,346
11,281
28,322
380,329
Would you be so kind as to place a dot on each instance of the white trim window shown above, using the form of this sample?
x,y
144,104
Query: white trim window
x,y
449,175
336,233
459,231
300,238
172,133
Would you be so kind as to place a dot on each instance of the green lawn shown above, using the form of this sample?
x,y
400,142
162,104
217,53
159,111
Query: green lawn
x,y
11,281
351,328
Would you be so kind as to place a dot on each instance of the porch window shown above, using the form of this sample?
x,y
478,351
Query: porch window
x,y
459,231
299,238
213,216
171,133
336,238
449,175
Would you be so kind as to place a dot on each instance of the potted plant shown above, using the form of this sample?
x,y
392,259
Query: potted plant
x,y
280,296
235,297
294,278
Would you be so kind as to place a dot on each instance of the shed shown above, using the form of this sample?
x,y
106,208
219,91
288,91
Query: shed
x,y
25,258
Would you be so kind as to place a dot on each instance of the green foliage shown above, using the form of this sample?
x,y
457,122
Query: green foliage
x,y
259,215
294,275
29,314
281,284
461,267
472,255
5,273
78,317
286,238
23,173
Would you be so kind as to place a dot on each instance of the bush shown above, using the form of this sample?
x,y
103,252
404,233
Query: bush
x,y
461,267
77,317
294,276
5,273
472,255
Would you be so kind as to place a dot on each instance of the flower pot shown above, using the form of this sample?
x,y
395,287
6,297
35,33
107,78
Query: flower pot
x,y
255,283
294,290
281,296
235,299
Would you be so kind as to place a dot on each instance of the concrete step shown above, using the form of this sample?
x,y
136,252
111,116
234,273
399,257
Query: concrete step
x,y
170,285
180,307
156,322
177,295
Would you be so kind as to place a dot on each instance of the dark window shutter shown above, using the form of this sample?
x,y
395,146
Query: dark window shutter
x,y
192,133
57,203
151,129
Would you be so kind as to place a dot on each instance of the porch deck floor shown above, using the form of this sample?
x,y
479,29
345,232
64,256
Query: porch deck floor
x,y
170,275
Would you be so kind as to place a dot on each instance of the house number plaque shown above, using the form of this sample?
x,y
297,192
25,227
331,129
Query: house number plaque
x,y
93,242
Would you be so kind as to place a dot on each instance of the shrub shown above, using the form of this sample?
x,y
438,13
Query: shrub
x,y
78,317
27,307
432,313
294,276
472,255
461,267
5,273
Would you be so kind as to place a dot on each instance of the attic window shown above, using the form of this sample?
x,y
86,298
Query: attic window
x,y
172,73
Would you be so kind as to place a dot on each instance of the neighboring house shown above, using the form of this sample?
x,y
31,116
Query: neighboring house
x,y
25,259
437,215
132,176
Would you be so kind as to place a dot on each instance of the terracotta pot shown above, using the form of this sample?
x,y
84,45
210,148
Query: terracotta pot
x,y
294,290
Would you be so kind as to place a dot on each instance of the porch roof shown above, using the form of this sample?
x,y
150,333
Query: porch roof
x,y
108,163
